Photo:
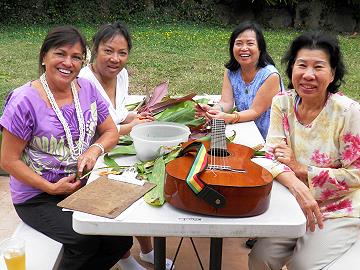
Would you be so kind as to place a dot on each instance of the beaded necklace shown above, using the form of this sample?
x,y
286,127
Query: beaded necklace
x,y
75,150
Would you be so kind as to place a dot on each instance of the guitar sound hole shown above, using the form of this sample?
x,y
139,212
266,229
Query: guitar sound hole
x,y
218,152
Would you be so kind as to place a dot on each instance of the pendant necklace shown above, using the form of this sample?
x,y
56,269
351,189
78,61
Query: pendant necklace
x,y
75,150
246,90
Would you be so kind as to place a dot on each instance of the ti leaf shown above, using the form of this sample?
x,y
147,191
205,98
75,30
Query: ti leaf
x,y
125,140
156,195
160,91
183,113
123,150
132,106
232,137
110,161
158,107
260,153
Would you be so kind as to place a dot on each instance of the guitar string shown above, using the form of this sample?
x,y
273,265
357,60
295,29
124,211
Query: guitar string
x,y
218,142
223,142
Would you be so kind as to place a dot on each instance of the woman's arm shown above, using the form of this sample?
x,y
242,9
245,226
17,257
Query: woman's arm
x,y
262,100
12,148
284,154
332,182
108,138
132,119
225,104
333,170
304,197
260,104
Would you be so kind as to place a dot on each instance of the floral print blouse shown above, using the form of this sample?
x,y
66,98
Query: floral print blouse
x,y
330,146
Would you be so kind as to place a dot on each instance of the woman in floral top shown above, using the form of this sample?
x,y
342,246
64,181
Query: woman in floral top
x,y
314,136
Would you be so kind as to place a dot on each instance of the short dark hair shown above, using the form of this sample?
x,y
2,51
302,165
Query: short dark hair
x,y
108,31
264,58
317,40
60,36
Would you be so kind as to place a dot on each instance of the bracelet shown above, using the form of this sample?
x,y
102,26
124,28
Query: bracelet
x,y
236,118
100,146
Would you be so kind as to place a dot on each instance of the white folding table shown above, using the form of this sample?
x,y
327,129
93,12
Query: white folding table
x,y
284,218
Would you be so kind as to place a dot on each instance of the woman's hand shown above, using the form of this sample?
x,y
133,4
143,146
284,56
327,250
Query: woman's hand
x,y
308,205
304,198
215,114
145,115
141,118
201,109
65,185
88,159
285,155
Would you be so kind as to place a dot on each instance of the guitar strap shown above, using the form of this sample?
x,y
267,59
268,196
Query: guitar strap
x,y
193,180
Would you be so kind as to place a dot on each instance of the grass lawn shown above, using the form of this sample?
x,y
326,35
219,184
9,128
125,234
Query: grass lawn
x,y
191,57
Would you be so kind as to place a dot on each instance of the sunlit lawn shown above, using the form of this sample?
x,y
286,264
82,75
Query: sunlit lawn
x,y
190,57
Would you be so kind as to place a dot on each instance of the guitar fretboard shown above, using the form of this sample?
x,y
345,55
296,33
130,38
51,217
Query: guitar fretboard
x,y
218,138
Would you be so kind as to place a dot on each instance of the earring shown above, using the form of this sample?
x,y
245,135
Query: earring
x,y
43,64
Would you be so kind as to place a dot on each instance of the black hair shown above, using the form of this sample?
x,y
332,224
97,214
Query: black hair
x,y
107,32
317,40
264,58
60,36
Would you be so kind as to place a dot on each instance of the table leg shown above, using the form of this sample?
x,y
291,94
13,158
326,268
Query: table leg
x,y
159,253
215,253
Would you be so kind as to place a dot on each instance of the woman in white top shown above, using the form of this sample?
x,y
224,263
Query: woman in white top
x,y
110,51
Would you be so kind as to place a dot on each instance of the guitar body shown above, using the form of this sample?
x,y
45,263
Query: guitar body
x,y
247,193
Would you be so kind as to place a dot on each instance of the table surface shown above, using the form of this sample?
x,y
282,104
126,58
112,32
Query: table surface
x,y
284,218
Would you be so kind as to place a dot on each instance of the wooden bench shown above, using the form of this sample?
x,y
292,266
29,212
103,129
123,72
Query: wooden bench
x,y
42,252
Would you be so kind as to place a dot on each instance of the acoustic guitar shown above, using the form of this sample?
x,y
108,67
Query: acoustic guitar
x,y
217,178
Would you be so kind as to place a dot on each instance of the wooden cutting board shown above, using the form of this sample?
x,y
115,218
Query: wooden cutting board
x,y
104,197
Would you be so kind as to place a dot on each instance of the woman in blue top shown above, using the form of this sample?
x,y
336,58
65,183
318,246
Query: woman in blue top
x,y
250,80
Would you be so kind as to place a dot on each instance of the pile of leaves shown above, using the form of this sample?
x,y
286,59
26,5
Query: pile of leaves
x,y
163,108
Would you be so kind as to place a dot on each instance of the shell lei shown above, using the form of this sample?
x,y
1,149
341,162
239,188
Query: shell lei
x,y
75,149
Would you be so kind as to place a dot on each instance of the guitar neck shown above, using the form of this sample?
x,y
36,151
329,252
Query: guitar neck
x,y
218,138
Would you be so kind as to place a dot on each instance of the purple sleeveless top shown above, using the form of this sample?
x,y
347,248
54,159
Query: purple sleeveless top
x,y
27,116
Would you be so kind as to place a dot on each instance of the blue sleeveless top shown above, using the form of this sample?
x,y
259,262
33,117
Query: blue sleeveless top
x,y
244,93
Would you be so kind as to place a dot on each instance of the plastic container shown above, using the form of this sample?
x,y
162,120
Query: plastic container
x,y
150,137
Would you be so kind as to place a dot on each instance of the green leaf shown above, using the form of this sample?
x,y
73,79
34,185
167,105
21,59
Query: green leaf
x,y
203,100
156,195
204,139
232,137
183,113
123,150
110,161
259,153
132,106
172,155
125,140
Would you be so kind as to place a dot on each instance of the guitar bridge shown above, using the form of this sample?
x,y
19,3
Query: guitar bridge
x,y
214,167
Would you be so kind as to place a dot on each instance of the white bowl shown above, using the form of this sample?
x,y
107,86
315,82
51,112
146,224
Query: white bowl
x,y
150,137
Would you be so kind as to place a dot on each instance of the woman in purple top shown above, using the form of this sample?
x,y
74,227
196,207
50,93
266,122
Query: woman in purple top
x,y
49,127
250,80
